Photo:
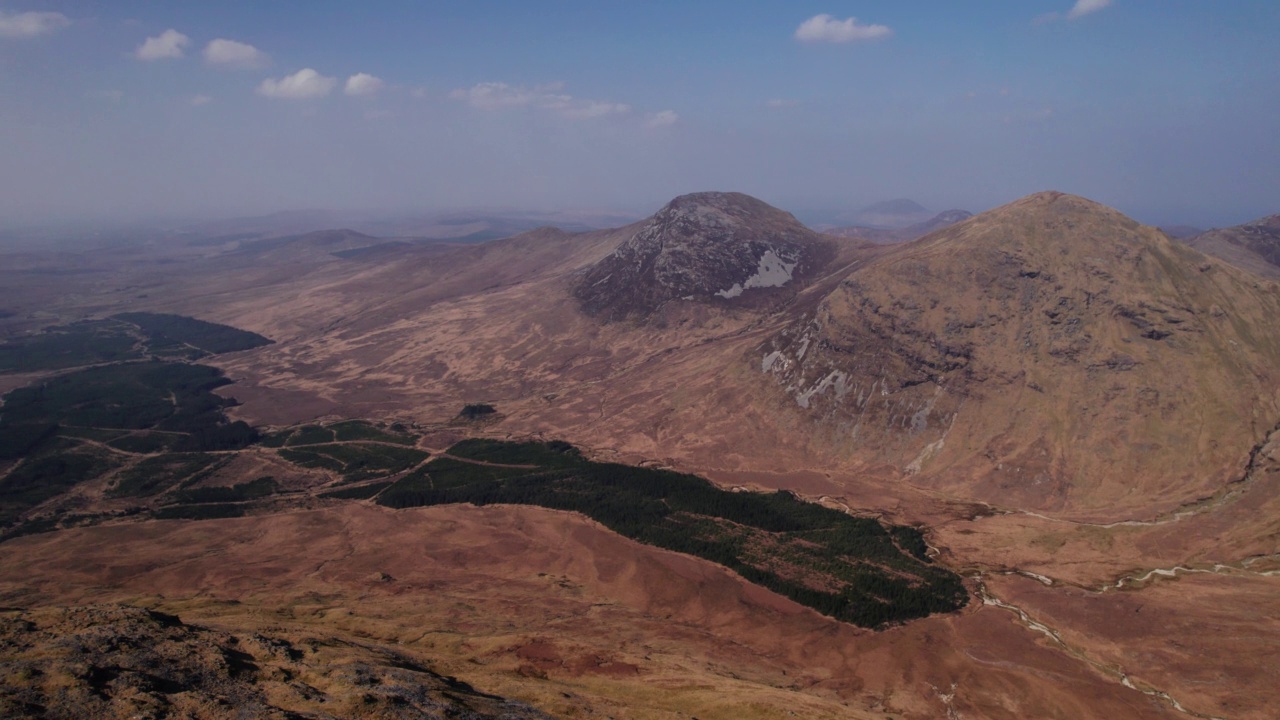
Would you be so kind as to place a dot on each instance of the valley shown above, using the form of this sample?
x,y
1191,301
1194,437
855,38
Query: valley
x,y
1047,431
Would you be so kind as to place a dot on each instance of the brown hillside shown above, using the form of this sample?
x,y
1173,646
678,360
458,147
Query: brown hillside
x,y
1051,353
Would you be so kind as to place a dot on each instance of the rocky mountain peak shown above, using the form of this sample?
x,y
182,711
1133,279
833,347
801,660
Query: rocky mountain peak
x,y
706,247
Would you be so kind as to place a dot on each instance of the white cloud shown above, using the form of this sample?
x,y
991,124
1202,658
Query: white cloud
x,y
497,96
576,109
666,118
199,100
231,53
31,24
363,84
304,84
1084,7
824,28
418,92
500,96
167,45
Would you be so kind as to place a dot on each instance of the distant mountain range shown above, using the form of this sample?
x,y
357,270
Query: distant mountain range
x,y
1254,246
901,234
456,226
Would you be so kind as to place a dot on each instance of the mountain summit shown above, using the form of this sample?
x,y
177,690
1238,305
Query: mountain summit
x,y
1029,349
709,246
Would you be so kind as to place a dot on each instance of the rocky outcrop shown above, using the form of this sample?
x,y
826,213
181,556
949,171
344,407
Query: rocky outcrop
x,y
704,247
116,661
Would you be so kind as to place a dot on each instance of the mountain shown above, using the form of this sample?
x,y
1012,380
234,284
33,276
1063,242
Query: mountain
x,y
1253,246
910,232
705,247
1026,352
315,243
1069,408
892,214
473,225
1181,232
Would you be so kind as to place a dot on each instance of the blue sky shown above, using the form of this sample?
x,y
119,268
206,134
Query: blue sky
x,y
1166,109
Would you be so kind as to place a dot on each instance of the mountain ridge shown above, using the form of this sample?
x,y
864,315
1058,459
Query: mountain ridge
x,y
978,350
1254,246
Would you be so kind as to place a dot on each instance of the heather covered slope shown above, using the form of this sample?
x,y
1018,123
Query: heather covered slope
x,y
1049,354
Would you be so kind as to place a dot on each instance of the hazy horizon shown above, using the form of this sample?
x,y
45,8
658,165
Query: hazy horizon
x,y
137,112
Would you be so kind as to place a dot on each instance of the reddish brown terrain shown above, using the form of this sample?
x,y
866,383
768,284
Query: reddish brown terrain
x,y
1079,411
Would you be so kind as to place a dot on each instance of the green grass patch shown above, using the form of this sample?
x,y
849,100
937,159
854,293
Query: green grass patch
x,y
165,331
145,443
311,459
199,512
173,397
276,439
310,435
350,430
84,343
551,454
41,477
100,435
363,492
356,461
853,569
443,473
95,342
23,438
242,492
157,474
476,411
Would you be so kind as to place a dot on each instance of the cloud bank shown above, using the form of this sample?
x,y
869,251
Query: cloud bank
x,y
302,85
31,24
230,53
500,96
363,84
666,118
825,28
168,45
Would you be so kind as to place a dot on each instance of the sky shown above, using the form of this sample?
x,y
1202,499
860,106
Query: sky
x,y
1166,109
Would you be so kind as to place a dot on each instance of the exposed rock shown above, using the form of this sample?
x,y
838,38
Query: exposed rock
x,y
116,661
704,247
